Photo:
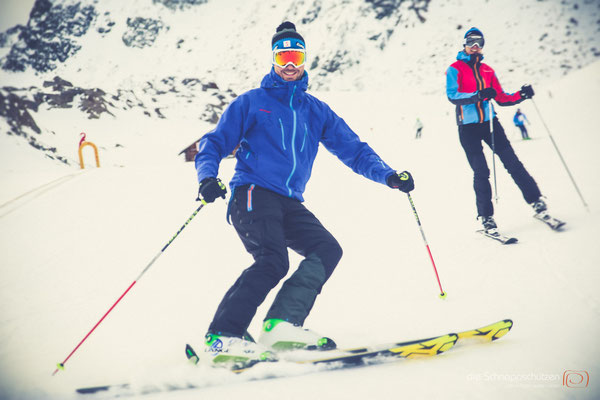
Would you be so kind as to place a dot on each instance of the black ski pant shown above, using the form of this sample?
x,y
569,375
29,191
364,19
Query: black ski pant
x,y
524,132
471,138
269,223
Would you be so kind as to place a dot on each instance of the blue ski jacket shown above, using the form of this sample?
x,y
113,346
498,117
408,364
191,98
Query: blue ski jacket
x,y
519,119
278,128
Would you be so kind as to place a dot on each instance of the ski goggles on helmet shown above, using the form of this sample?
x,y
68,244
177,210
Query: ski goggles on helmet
x,y
474,40
284,57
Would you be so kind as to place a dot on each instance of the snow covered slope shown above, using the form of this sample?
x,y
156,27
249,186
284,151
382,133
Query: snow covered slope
x,y
72,241
71,248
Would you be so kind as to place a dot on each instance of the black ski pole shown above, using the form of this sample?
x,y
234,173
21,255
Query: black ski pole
x,y
561,157
61,366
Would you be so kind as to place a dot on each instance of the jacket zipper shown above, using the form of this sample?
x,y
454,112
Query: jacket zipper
x,y
287,183
479,80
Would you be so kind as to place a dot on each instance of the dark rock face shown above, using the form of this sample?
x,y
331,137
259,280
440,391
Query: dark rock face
x,y
179,4
391,8
15,106
19,105
48,37
93,102
142,32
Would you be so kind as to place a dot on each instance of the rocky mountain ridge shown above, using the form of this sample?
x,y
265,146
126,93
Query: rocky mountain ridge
x,y
174,59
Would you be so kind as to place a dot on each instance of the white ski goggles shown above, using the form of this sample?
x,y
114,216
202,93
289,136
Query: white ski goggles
x,y
474,40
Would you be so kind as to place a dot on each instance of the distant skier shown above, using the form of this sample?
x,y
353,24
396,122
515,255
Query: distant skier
x,y
470,85
279,128
519,120
419,128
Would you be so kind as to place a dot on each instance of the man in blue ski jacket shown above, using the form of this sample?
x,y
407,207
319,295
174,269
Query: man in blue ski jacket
x,y
278,128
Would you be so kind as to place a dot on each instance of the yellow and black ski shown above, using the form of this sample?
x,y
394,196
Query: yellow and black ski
x,y
360,356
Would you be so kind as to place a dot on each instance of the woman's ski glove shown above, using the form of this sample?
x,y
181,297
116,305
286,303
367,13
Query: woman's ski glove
x,y
402,181
210,189
526,92
487,93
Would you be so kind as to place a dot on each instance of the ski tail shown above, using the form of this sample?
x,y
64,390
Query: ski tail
x,y
104,388
191,355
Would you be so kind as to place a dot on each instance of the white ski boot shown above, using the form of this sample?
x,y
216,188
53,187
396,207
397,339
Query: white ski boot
x,y
279,335
235,352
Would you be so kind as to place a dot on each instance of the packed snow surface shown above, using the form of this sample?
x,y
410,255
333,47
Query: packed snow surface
x,y
72,241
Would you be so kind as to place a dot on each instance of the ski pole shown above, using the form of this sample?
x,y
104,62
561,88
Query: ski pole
x,y
493,150
61,366
561,157
412,204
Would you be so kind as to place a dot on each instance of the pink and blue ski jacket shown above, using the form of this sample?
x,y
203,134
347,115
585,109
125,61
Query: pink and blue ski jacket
x,y
279,128
464,79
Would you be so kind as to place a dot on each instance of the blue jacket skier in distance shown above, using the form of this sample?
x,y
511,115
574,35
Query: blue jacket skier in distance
x,y
278,128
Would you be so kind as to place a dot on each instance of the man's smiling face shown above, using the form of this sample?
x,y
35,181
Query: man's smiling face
x,y
289,72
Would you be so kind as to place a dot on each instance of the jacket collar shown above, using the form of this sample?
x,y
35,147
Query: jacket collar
x,y
274,81
462,56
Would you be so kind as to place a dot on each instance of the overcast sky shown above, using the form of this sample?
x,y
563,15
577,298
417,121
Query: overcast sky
x,y
13,12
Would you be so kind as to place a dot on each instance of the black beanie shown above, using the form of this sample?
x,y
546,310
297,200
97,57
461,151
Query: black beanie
x,y
287,30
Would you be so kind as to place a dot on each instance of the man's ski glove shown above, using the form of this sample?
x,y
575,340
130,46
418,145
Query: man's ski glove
x,y
526,92
210,189
487,93
402,181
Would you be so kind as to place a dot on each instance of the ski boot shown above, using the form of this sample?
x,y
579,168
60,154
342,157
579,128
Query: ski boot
x,y
278,335
234,352
491,230
489,225
541,213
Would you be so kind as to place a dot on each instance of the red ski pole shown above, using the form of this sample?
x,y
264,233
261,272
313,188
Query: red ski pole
x,y
61,366
412,204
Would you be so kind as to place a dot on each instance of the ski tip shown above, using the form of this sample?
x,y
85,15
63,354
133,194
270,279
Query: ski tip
x,y
500,329
505,327
560,226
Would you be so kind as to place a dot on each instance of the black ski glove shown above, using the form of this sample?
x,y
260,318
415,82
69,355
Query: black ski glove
x,y
210,189
526,92
402,181
487,93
